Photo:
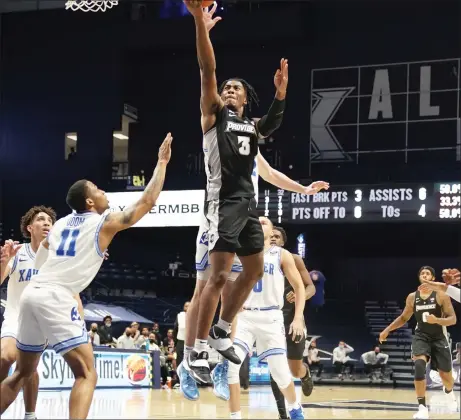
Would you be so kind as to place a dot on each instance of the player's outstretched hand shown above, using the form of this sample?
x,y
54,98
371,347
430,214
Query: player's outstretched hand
x,y
10,249
297,329
194,7
451,276
383,336
429,286
315,187
281,79
164,153
208,13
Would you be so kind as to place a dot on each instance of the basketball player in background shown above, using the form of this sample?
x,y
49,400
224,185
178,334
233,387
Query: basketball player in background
x,y
262,321
451,277
68,260
433,312
295,348
17,263
230,145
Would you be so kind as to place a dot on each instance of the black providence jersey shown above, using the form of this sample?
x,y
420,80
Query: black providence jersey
x,y
424,307
230,148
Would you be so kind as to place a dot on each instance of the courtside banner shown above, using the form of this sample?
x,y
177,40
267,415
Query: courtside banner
x,y
173,208
115,370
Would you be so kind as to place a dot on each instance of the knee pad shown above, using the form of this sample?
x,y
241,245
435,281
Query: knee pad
x,y
280,371
233,373
420,370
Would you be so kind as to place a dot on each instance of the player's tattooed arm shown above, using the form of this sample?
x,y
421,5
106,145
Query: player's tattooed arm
x,y
122,220
449,317
402,319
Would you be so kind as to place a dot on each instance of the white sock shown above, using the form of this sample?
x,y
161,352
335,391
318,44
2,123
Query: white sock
x,y
30,416
236,415
187,351
224,325
220,358
200,345
293,406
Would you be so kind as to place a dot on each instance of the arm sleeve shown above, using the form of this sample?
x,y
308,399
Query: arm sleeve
x,y
454,293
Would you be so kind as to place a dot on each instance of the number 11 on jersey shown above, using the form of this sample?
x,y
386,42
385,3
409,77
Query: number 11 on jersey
x,y
67,245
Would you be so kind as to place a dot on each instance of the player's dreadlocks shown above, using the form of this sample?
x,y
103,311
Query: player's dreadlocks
x,y
29,217
252,96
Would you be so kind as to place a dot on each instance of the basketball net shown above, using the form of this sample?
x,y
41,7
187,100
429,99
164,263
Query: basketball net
x,y
90,6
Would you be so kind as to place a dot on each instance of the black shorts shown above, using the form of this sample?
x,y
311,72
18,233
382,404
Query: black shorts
x,y
294,350
234,226
437,350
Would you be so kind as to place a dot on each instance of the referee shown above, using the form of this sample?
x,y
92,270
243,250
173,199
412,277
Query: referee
x,y
295,349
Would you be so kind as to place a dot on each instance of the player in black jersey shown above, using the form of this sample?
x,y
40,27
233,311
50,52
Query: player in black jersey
x,y
295,348
230,146
433,312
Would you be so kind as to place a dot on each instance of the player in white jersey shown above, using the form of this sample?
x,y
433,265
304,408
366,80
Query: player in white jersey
x,y
261,321
188,385
17,264
68,261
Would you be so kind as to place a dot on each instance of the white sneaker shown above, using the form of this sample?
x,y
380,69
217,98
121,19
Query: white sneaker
x,y
423,412
452,402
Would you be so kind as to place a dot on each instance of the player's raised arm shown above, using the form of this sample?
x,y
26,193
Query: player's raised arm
x,y
401,320
294,278
273,119
280,180
7,254
121,220
210,101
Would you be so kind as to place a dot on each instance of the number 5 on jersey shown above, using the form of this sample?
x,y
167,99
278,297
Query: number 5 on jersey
x,y
67,244
244,143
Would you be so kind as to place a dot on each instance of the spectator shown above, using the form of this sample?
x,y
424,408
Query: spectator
x,y
135,330
374,359
126,340
169,349
180,333
156,330
142,338
105,331
313,358
150,344
93,334
319,282
341,360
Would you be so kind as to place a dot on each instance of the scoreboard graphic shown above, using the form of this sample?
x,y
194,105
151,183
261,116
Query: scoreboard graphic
x,y
420,202
405,108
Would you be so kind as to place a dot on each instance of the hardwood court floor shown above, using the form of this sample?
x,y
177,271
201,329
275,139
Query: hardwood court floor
x,y
326,402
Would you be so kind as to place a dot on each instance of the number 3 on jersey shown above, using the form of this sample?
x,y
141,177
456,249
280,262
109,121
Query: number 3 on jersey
x,y
244,143
67,246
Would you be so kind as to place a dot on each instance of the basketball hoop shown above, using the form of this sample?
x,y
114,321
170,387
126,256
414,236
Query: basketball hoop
x,y
90,5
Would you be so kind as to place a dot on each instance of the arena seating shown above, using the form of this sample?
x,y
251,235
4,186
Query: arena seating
x,y
351,327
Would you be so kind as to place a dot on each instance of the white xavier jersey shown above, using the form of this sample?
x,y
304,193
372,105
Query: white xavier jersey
x,y
21,272
269,291
74,255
